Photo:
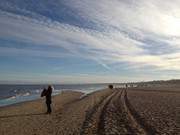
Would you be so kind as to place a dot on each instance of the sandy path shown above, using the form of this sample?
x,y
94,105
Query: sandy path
x,y
116,119
92,120
112,117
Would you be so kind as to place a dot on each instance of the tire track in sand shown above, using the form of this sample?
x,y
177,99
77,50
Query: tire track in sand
x,y
117,119
112,116
113,119
90,125
139,125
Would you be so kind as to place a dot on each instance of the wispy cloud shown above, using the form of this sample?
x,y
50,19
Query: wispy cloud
x,y
140,33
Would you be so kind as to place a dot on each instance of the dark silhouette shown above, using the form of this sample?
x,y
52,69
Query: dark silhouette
x,y
110,86
43,93
47,93
126,86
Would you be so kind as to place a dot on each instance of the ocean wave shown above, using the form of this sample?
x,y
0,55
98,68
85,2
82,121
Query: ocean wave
x,y
15,91
10,94
38,90
18,96
26,94
10,98
57,90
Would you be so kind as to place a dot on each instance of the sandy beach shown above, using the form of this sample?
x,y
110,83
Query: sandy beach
x,y
30,118
89,67
104,112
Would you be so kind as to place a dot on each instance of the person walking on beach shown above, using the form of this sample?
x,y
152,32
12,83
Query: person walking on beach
x,y
47,93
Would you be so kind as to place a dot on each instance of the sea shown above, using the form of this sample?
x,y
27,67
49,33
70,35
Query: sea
x,y
11,93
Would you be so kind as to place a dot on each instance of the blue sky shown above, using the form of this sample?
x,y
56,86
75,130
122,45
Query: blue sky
x,y
89,41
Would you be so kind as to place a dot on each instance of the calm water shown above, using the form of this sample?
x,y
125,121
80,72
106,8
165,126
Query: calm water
x,y
10,94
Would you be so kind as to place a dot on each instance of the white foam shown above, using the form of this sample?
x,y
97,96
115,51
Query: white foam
x,y
10,98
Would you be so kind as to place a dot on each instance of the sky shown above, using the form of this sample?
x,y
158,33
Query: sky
x,y
89,41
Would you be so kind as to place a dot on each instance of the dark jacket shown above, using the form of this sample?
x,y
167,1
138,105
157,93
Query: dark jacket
x,y
48,95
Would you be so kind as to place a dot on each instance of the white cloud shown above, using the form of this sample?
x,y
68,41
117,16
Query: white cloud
x,y
127,25
157,16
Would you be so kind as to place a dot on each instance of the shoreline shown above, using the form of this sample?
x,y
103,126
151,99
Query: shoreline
x,y
37,100
29,117
84,94
55,94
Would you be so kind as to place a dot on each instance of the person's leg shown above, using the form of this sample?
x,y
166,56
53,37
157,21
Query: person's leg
x,y
48,108
47,105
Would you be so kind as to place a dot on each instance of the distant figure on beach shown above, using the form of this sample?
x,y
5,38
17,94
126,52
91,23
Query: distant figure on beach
x,y
110,86
126,86
47,93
